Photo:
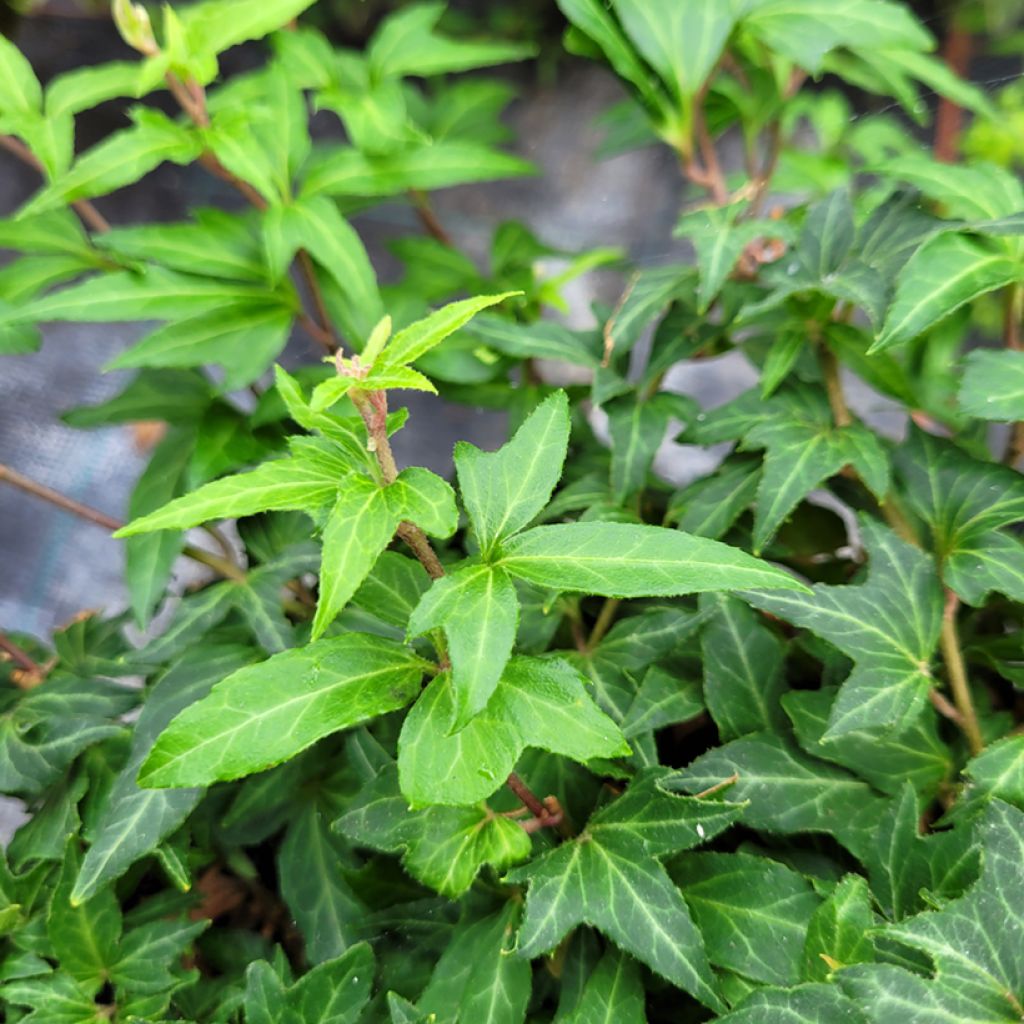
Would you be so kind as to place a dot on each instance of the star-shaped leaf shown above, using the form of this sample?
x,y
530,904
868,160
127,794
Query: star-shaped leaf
x,y
610,877
888,625
965,502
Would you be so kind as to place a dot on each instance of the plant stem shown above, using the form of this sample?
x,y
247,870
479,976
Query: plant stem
x,y
833,385
604,619
91,217
220,565
429,219
953,656
1013,313
956,52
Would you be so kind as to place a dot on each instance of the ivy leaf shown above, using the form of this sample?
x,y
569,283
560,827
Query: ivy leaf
x,y
710,506
329,914
609,877
663,699
443,847
476,979
85,936
133,821
888,625
752,912
803,448
624,560
613,992
743,662
478,610
55,998
264,714
997,773
788,792
947,272
637,429
538,703
917,754
838,932
965,502
903,866
504,490
804,1004
971,940
993,385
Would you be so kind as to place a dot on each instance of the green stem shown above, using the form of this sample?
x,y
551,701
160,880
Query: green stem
x,y
958,684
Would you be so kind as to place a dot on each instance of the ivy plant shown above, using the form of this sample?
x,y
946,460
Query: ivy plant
x,y
549,739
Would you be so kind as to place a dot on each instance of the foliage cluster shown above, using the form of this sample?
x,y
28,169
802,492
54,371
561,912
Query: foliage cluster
x,y
553,741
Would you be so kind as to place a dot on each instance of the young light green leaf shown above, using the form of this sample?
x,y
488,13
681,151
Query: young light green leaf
x,y
504,490
214,27
419,338
538,703
478,610
406,44
943,275
303,482
267,713
443,847
838,932
20,92
623,560
889,626
993,385
344,171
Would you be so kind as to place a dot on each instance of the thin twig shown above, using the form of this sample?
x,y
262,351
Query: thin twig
x,y
833,386
958,684
91,217
221,565
609,328
604,619
429,219
949,118
29,673
735,777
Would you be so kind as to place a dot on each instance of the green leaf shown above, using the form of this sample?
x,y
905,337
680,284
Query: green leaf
x,y
917,754
965,503
406,44
393,589
971,940
176,397
264,714
804,1004
316,225
84,937
993,385
478,610
806,30
20,92
663,699
310,868
943,275
476,978
613,992
888,625
908,871
637,430
504,490
149,955
342,171
213,27
542,340
623,560
681,41
303,482
789,792
443,847
743,663
538,703
134,821
83,88
997,773
752,912
711,505
56,998
419,338
609,877
838,933
119,160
